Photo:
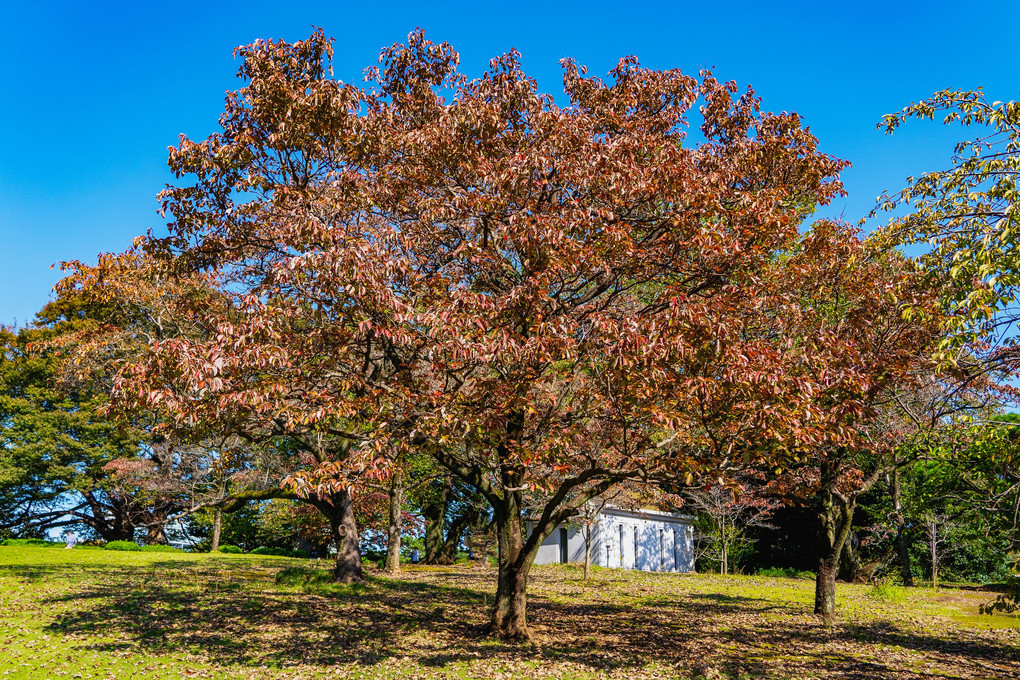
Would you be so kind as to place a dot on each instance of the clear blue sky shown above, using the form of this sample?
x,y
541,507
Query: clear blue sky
x,y
94,92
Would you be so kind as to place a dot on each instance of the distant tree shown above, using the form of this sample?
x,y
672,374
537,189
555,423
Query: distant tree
x,y
729,514
585,520
967,493
56,444
450,509
937,529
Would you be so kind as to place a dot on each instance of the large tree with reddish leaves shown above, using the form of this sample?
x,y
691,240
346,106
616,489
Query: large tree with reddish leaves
x,y
544,298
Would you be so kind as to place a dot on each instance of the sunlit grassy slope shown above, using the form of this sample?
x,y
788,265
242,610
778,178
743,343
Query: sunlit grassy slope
x,y
89,613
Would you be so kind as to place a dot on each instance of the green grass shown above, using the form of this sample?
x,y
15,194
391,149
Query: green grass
x,y
887,592
106,614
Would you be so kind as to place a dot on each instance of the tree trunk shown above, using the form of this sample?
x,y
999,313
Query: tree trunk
x,y
851,568
724,553
120,528
343,530
902,539
587,551
509,610
825,589
156,534
468,517
435,516
835,516
934,555
216,529
393,530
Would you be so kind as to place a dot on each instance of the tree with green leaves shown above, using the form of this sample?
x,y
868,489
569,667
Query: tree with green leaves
x,y
966,217
57,445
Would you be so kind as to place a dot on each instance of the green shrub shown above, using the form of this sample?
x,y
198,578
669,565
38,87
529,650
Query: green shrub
x,y
887,592
160,548
129,546
35,542
787,572
230,550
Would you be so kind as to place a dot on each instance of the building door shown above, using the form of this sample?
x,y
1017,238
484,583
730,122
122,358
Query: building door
x,y
669,549
564,555
636,564
623,562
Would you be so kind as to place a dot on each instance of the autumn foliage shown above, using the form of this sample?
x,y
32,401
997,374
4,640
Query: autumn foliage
x,y
548,299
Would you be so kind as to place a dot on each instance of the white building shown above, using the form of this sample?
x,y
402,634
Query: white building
x,y
625,539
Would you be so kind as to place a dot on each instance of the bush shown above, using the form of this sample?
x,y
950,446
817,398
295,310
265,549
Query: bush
x,y
230,550
35,542
886,592
160,548
367,562
281,552
787,572
129,546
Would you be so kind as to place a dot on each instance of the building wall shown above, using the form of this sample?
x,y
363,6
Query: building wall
x,y
628,540
549,552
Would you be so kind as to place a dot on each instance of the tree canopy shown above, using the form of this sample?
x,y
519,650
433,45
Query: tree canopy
x,y
546,300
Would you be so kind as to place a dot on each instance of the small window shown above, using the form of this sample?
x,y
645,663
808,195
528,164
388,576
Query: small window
x,y
563,546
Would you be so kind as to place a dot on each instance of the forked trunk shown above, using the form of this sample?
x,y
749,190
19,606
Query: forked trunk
x,y
834,515
217,528
119,527
393,530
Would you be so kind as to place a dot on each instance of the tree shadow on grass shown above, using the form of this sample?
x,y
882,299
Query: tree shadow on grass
x,y
862,651
237,614
258,622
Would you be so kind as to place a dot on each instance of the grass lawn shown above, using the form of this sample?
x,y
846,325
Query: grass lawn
x,y
88,613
